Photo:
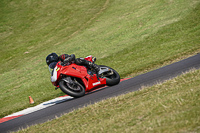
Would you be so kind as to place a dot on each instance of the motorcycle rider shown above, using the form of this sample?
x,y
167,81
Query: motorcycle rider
x,y
52,59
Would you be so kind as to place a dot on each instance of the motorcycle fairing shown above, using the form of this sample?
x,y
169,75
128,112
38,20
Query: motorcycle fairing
x,y
73,70
92,81
54,75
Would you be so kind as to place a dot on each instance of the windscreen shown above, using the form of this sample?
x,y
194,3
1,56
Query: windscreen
x,y
52,66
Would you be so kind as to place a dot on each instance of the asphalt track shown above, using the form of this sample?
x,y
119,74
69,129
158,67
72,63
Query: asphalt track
x,y
133,84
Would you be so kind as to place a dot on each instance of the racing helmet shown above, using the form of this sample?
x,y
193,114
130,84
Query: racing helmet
x,y
53,57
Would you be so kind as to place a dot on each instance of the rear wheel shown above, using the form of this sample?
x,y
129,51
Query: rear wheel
x,y
73,88
112,76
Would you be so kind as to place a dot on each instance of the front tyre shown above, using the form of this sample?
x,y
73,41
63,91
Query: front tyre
x,y
112,77
73,89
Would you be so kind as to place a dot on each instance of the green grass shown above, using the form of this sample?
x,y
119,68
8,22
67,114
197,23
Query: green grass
x,y
169,107
131,36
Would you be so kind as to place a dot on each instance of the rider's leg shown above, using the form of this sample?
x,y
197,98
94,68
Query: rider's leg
x,y
83,62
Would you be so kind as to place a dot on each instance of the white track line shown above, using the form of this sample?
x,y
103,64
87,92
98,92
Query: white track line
x,y
36,108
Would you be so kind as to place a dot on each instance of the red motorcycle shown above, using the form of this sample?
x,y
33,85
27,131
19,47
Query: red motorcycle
x,y
75,80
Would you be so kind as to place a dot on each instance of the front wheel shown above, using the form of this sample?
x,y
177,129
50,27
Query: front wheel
x,y
112,76
73,89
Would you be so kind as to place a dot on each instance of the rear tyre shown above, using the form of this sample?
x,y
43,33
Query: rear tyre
x,y
112,79
74,89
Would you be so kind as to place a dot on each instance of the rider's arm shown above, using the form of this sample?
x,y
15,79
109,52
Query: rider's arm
x,y
69,59
65,58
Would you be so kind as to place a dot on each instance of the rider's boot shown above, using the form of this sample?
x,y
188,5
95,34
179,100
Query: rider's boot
x,y
94,59
94,66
